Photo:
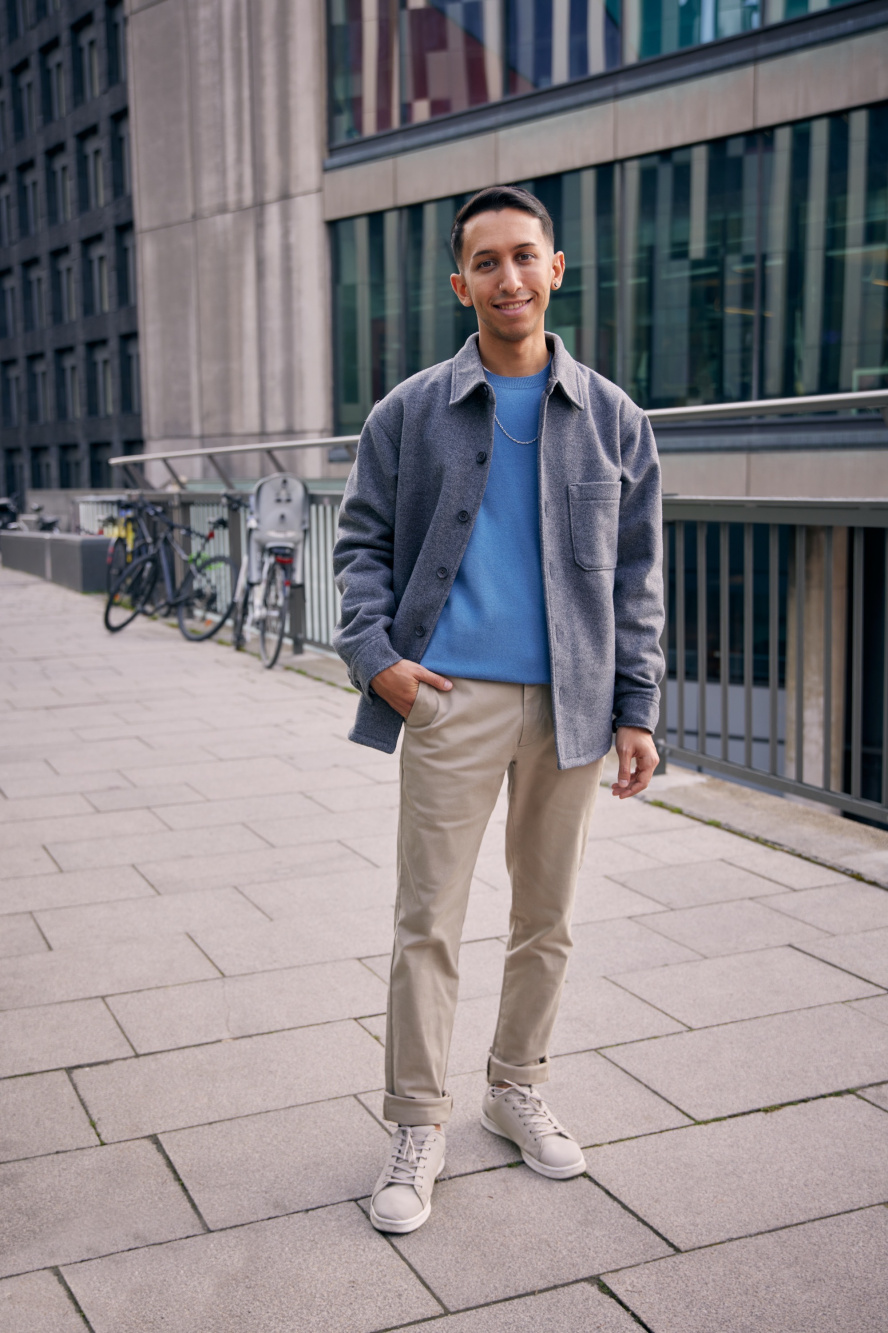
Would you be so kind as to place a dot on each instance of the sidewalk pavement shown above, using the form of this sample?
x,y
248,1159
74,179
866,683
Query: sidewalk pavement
x,y
196,886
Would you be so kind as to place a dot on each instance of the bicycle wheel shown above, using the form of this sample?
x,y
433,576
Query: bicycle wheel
x,y
117,561
242,605
206,597
274,614
129,594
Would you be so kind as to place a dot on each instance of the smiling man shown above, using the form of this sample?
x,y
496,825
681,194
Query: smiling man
x,y
499,559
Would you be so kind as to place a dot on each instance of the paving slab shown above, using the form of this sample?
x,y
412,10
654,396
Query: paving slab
x,y
716,1182
601,899
733,927
310,895
135,798
37,1303
42,807
44,892
682,846
201,813
579,1307
77,1205
241,869
169,914
178,1089
56,1036
129,849
606,948
103,969
864,954
58,784
824,1277
487,916
327,1268
374,796
746,985
293,942
509,1232
697,885
19,935
17,862
876,1008
225,778
40,1114
761,1062
596,1012
840,909
79,828
207,1011
263,1166
322,825
795,872
878,1096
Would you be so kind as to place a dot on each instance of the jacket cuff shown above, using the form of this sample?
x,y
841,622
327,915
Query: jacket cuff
x,y
637,710
372,658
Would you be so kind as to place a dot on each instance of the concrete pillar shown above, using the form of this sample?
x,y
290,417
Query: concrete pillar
x,y
814,657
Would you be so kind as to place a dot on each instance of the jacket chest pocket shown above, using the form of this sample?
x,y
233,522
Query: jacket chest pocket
x,y
594,523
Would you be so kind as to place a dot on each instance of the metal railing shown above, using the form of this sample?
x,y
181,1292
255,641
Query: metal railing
x,y
776,675
775,642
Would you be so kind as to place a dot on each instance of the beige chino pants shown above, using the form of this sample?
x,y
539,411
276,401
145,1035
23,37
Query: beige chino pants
x,y
457,746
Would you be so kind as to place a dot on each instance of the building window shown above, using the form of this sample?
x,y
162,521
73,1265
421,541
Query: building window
x,y
54,99
8,322
95,278
41,469
60,204
92,173
99,396
68,385
3,130
99,466
120,148
15,18
10,391
126,266
28,203
24,104
38,390
86,63
5,212
63,305
747,267
69,466
130,393
33,296
116,43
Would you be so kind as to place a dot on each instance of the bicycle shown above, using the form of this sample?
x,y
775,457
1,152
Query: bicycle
x,y
275,533
130,537
204,598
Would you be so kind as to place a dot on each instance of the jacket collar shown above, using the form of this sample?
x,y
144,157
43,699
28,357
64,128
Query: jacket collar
x,y
468,373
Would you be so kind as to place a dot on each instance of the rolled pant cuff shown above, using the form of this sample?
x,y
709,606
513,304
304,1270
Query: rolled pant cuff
x,y
499,1072
413,1111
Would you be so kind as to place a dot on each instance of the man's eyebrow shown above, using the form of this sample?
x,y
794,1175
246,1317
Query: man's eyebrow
x,y
522,245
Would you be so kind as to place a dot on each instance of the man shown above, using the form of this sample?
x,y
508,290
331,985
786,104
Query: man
x,y
499,559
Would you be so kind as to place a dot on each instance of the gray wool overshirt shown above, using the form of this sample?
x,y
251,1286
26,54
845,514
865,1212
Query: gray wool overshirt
x,y
408,511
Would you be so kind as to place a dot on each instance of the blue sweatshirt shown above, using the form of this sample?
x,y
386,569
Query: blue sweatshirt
x,y
493,626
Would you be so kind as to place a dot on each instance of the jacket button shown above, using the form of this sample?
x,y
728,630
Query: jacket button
x,y
419,631
481,458
463,516
442,571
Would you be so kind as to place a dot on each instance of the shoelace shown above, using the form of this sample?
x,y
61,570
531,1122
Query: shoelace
x,y
405,1160
530,1108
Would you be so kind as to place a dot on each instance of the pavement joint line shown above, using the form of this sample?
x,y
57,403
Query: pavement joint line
x,y
390,1241
838,966
618,1300
197,946
171,1167
247,899
118,1024
764,842
32,915
615,1198
60,1278
86,1112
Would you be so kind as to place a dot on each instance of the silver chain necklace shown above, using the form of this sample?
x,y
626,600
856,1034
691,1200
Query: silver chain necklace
x,y
512,437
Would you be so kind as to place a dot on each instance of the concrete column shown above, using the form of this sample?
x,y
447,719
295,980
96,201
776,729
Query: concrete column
x,y
815,651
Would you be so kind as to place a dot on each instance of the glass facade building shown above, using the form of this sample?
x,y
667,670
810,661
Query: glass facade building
x,y
747,267
400,62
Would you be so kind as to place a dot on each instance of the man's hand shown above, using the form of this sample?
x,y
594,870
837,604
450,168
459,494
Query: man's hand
x,y
399,684
634,743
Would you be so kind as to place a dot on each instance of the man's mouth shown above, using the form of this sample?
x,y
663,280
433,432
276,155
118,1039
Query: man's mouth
x,y
513,307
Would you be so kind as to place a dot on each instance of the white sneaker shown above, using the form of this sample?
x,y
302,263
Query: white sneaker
x,y
402,1199
520,1114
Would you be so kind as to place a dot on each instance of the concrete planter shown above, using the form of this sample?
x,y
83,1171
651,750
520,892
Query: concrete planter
x,y
74,561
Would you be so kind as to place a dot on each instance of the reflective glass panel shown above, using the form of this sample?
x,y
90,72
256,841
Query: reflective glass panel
x,y
450,56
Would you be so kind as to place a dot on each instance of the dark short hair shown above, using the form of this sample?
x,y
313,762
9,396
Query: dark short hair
x,y
494,199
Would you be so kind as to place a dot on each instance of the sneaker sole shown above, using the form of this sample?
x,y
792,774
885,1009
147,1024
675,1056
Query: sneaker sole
x,y
550,1172
410,1224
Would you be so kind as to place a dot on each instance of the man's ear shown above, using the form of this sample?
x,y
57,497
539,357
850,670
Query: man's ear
x,y
458,283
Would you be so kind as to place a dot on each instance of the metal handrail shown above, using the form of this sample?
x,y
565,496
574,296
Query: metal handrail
x,y
876,399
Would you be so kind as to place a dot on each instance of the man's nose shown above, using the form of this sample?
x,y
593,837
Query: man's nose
x,y
510,279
